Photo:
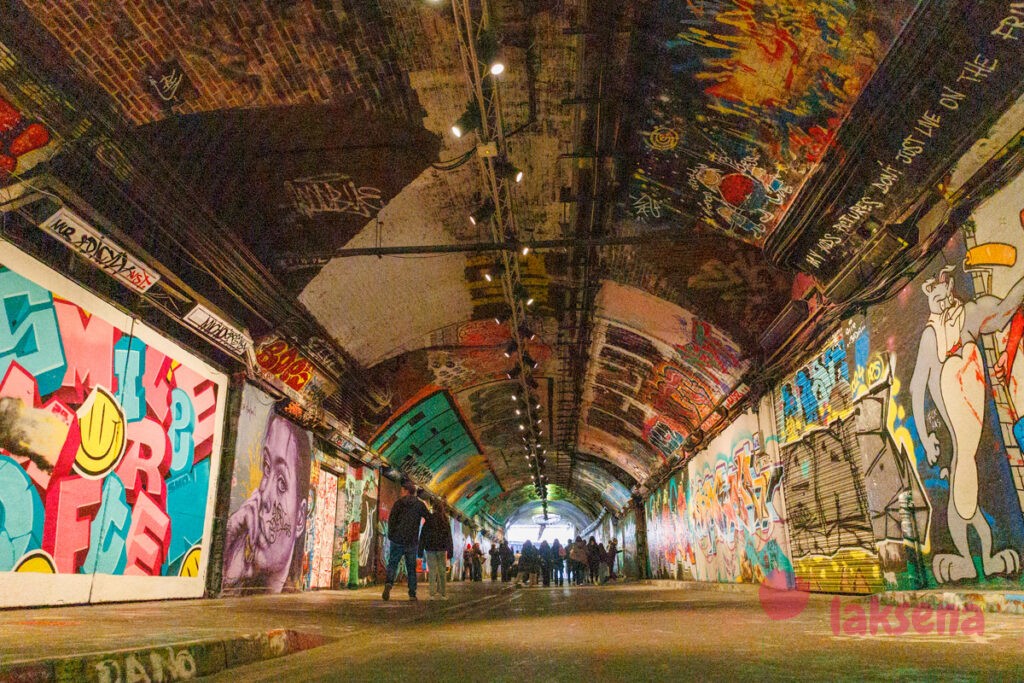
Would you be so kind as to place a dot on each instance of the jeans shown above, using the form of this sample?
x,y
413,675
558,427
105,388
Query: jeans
x,y
436,571
558,571
399,551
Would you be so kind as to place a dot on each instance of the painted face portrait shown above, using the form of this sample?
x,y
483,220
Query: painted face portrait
x,y
264,533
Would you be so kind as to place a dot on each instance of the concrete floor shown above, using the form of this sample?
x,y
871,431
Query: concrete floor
x,y
498,633
637,633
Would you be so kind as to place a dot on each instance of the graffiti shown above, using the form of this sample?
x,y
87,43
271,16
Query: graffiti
x,y
99,250
106,442
662,139
166,664
816,394
18,137
284,366
754,93
429,438
645,207
323,506
265,536
734,498
333,193
169,84
654,388
594,479
740,195
218,330
720,518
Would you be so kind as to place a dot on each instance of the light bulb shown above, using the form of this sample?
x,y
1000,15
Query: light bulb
x,y
497,69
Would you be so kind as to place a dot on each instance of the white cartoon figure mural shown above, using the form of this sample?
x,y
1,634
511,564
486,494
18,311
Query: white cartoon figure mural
x,y
950,368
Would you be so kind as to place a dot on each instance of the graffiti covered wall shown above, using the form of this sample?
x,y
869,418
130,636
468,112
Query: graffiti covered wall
x,y
109,448
951,342
264,545
720,518
320,527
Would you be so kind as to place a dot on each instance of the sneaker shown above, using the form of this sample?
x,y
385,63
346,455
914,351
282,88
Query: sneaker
x,y
387,592
413,598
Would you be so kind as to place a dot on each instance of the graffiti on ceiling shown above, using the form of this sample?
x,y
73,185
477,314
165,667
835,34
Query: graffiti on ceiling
x,y
429,441
657,374
745,100
593,481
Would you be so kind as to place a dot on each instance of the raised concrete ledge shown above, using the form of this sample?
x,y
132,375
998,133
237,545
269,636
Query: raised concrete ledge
x,y
168,662
700,585
987,601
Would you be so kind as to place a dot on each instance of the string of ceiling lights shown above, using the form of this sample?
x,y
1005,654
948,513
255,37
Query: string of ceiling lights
x,y
483,66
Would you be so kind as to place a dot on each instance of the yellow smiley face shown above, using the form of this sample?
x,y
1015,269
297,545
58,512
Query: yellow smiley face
x,y
36,562
103,442
190,565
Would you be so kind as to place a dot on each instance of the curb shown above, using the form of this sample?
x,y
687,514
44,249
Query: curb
x,y
171,662
701,585
992,602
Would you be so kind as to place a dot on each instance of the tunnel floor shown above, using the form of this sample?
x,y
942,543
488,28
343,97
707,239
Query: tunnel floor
x,y
491,632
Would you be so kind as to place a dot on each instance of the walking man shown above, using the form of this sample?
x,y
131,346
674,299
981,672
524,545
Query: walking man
x,y
404,534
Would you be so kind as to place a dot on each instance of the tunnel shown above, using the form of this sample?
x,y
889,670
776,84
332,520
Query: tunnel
x,y
511,339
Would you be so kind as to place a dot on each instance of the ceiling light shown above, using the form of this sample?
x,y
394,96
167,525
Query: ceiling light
x,y
514,372
482,213
470,119
526,333
529,302
487,276
497,69
510,348
506,170
528,359
514,397
518,411
526,251
522,427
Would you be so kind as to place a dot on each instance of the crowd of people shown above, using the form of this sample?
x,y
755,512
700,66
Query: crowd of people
x,y
577,562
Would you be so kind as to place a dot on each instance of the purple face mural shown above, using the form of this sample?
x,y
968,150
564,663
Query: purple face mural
x,y
265,532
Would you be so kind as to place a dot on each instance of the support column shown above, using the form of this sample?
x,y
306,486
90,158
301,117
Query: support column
x,y
222,505
643,560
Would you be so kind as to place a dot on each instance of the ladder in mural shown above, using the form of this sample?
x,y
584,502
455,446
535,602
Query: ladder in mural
x,y
1006,412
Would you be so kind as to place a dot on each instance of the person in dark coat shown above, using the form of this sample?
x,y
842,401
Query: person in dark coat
x,y
594,559
557,562
404,534
436,543
507,558
495,553
578,561
545,563
529,565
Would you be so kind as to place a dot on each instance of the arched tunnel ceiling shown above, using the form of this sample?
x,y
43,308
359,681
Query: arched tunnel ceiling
x,y
309,126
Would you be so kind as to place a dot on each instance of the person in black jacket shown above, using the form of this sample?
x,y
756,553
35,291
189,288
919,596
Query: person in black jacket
x,y
545,563
508,556
404,534
436,543
557,562
495,553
